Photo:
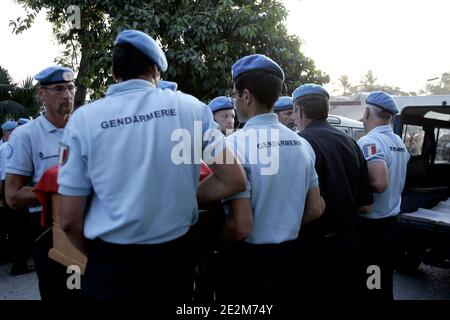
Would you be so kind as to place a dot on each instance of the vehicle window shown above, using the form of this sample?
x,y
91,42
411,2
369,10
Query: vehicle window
x,y
443,146
413,139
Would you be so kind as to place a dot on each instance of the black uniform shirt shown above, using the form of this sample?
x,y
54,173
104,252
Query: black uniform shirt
x,y
343,178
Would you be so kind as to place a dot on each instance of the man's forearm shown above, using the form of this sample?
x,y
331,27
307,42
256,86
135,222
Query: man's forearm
x,y
22,198
212,189
71,212
78,240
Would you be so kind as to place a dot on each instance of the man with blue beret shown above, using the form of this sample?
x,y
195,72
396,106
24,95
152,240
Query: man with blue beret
x,y
32,149
135,203
285,111
223,111
387,159
7,129
264,220
331,262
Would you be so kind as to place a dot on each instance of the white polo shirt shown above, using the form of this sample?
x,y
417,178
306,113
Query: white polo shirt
x,y
120,150
280,171
32,149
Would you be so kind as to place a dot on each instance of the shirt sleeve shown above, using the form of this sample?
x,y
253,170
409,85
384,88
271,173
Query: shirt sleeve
x,y
313,177
19,158
371,149
246,194
73,179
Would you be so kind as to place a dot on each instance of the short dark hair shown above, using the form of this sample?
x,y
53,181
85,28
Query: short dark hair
x,y
130,63
315,107
265,87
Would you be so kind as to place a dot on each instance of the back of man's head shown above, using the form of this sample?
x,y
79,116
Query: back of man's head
x,y
260,75
134,55
314,107
313,99
265,86
130,63
380,113
382,105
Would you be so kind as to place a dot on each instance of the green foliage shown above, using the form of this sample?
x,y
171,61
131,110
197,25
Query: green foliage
x,y
441,87
369,83
16,100
201,39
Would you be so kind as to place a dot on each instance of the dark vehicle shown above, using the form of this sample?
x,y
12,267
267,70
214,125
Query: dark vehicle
x,y
424,222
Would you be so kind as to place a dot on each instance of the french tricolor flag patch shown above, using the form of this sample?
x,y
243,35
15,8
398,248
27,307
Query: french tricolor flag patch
x,y
63,153
369,150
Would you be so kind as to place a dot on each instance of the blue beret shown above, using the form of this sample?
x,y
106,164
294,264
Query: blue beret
x,y
309,89
145,44
163,84
383,100
9,125
53,75
283,103
220,103
256,62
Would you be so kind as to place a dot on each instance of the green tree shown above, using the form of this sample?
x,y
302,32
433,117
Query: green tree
x,y
369,83
347,88
442,87
201,39
16,100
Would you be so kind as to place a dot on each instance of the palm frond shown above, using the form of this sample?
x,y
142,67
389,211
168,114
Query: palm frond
x,y
11,109
5,77
6,91
28,83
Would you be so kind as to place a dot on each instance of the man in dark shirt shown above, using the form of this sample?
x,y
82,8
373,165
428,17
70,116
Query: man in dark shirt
x,y
330,257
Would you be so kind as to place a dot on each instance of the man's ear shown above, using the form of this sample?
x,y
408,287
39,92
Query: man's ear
x,y
302,114
364,116
115,78
248,97
154,71
40,95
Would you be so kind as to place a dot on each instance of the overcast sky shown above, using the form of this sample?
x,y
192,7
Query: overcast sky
x,y
404,42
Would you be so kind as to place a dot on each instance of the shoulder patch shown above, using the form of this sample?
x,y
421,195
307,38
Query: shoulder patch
x,y
369,149
63,153
9,151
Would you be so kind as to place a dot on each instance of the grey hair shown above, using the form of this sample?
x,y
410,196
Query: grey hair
x,y
379,113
